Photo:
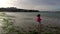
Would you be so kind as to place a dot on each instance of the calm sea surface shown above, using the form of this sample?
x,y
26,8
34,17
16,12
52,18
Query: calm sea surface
x,y
29,18
35,13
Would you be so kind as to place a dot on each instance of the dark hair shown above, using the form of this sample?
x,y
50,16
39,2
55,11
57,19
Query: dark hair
x,y
38,15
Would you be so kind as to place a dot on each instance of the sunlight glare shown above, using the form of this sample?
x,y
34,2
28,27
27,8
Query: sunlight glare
x,y
6,3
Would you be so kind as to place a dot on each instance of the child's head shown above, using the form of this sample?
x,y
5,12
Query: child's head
x,y
38,15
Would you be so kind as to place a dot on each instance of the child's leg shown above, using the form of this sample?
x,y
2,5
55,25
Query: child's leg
x,y
39,26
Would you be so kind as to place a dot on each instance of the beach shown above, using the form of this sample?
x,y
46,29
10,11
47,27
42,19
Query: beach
x,y
26,22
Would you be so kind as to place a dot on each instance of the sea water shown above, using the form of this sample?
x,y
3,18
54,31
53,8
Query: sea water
x,y
28,18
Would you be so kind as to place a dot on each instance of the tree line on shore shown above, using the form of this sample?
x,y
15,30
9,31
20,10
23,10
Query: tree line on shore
x,y
14,9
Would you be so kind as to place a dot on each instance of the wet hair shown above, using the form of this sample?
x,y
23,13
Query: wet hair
x,y
38,15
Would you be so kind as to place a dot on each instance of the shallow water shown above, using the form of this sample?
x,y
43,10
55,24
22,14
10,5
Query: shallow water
x,y
29,18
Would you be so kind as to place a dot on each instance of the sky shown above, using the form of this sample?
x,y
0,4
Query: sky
x,y
42,5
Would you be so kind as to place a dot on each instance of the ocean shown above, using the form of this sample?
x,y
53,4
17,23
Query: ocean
x,y
28,18
26,21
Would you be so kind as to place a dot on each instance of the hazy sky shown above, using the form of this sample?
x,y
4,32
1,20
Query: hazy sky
x,y
51,5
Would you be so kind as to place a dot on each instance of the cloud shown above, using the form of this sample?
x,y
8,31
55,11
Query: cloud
x,y
7,3
34,4
38,4
52,2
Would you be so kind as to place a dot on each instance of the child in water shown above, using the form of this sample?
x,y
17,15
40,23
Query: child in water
x,y
38,18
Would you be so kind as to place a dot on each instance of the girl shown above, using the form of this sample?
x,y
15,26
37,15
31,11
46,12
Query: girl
x,y
38,18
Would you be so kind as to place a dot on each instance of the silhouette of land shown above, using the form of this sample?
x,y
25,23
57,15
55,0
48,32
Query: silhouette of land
x,y
13,9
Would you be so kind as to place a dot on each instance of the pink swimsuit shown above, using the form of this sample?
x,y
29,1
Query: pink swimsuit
x,y
38,19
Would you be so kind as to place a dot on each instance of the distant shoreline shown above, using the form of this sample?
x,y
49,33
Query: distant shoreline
x,y
13,9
